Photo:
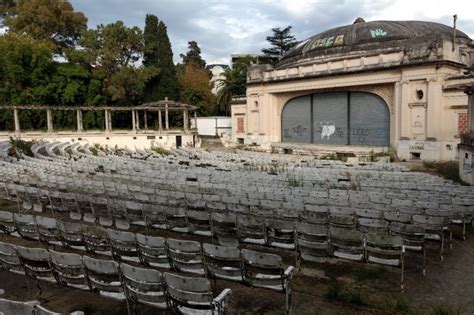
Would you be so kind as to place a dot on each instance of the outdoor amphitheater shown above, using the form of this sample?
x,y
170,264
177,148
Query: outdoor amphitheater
x,y
194,231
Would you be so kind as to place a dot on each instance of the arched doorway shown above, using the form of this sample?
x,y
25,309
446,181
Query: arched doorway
x,y
340,118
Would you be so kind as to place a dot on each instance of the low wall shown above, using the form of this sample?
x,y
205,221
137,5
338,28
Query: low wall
x,y
115,139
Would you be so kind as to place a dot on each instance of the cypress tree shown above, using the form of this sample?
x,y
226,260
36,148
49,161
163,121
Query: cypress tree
x,y
158,54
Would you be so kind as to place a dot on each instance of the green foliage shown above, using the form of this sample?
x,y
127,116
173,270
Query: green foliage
x,y
51,20
195,88
20,147
234,84
160,150
158,54
445,309
337,292
193,55
401,305
281,41
109,47
127,83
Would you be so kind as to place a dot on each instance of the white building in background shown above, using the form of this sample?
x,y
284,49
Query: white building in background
x,y
212,126
217,69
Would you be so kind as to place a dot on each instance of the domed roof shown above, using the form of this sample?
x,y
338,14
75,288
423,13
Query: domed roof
x,y
362,37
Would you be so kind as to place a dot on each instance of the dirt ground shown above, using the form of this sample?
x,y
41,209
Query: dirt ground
x,y
335,287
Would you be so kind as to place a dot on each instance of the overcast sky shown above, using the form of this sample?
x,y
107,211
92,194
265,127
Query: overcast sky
x,y
225,27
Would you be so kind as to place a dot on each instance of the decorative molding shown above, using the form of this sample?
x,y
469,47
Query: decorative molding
x,y
418,104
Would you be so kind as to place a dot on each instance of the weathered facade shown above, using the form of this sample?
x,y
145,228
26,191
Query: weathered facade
x,y
368,86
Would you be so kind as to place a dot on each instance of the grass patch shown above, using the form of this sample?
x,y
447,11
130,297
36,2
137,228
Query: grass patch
x,y
160,150
370,274
447,170
445,309
20,147
338,292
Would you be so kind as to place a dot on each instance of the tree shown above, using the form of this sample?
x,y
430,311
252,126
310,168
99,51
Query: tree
x,y
128,83
53,20
109,47
195,88
158,54
193,55
281,41
234,84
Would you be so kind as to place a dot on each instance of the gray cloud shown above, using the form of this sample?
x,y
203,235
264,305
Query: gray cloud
x,y
222,28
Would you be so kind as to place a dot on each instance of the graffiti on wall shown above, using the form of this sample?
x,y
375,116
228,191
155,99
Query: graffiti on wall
x,y
378,32
328,42
295,132
327,129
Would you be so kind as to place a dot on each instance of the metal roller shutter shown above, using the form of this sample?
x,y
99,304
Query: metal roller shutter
x,y
296,120
330,118
369,120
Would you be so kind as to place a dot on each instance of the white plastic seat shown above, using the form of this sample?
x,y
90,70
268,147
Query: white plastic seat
x,y
123,245
222,262
9,259
68,269
185,255
144,286
152,251
312,242
103,277
194,295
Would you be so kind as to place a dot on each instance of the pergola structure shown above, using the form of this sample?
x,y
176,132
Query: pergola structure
x,y
159,106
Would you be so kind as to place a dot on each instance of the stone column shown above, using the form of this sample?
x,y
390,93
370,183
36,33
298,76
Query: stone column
x,y
80,126
110,120
106,115
160,127
49,120
145,119
185,119
16,120
167,124
134,128
137,119
195,120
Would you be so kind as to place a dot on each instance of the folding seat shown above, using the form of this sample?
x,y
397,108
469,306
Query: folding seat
x,y
315,215
7,224
251,229
55,201
199,222
176,219
377,226
267,270
84,208
185,255
9,258
103,277
25,226
36,264
118,213
9,307
71,234
392,216
385,250
143,286
123,245
280,233
42,202
223,228
435,229
135,213
155,216
342,218
152,251
346,244
11,191
222,262
48,231
96,240
312,242
68,269
23,197
368,213
194,295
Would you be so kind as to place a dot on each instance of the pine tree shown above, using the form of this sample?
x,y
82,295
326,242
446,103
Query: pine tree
x,y
281,41
158,54
193,55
